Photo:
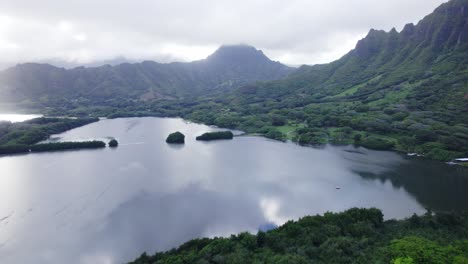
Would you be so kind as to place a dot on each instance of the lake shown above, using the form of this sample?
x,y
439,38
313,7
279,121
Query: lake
x,y
110,205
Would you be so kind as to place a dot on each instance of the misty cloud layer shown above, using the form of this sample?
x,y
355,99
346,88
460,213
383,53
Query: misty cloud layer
x,y
293,32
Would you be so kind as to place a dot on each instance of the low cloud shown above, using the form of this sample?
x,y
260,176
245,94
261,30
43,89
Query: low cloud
x,y
294,32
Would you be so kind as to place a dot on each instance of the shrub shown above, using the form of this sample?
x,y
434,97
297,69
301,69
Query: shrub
x,y
357,138
176,138
377,143
277,120
272,133
113,143
216,135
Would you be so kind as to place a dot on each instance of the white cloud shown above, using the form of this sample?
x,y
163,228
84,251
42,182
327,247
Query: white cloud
x,y
294,32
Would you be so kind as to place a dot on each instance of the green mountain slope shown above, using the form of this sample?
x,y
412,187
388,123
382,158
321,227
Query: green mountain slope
x,y
432,51
394,90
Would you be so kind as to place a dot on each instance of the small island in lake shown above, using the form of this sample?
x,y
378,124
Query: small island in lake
x,y
176,138
113,143
216,135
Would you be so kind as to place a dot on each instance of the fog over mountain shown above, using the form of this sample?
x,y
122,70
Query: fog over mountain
x,y
297,32
229,67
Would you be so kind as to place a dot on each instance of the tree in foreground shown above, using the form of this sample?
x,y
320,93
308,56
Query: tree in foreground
x,y
354,236
176,138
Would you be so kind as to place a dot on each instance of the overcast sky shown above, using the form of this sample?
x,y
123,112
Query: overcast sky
x,y
293,31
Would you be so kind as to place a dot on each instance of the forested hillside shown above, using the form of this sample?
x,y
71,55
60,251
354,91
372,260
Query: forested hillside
x,y
406,90
354,236
45,85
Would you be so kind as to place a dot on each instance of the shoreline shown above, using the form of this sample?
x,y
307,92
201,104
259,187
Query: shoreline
x,y
241,133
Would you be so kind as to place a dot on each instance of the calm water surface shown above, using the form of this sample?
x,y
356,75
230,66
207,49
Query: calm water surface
x,y
110,205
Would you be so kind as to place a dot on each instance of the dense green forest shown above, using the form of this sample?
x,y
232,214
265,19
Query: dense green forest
x,y
22,137
354,236
57,146
216,135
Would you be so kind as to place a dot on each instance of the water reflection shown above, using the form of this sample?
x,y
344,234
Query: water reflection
x,y
146,195
429,182
151,221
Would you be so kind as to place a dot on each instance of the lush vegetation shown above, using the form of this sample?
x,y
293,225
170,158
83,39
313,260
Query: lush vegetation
x,y
175,138
406,91
216,135
56,146
354,236
21,137
113,143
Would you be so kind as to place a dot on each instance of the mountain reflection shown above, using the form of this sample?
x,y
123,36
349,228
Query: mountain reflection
x,y
434,184
146,195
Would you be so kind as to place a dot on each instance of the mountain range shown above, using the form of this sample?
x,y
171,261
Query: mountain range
x,y
389,67
403,90
406,90
229,67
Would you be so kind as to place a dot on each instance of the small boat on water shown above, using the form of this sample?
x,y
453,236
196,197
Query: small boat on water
x,y
458,161
414,155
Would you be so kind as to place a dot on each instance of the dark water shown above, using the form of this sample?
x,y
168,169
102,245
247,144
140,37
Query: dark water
x,y
110,205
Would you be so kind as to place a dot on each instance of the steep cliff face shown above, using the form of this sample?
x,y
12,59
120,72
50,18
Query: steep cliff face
x,y
421,72
437,45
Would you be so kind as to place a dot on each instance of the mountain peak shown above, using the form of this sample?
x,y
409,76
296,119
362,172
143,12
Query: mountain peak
x,y
237,53
408,30
453,5
445,29
236,47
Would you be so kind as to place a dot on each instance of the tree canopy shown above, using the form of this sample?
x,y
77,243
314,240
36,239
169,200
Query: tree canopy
x,y
175,138
113,143
216,135
353,236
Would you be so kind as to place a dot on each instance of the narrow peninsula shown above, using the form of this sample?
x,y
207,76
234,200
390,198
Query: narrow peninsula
x,y
216,136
